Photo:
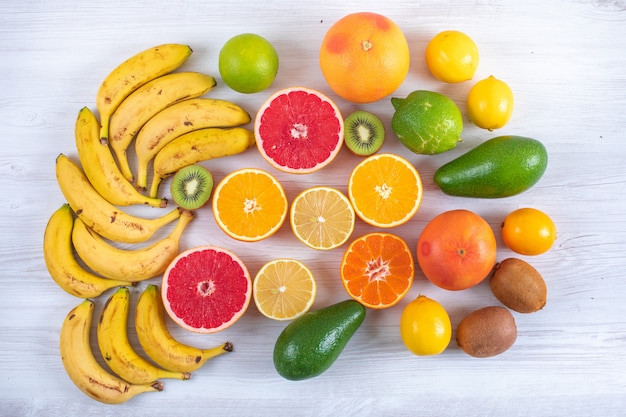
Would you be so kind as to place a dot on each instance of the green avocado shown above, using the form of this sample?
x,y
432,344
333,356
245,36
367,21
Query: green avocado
x,y
311,343
500,167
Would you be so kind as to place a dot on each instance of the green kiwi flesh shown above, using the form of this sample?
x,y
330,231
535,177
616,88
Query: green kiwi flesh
x,y
191,187
363,133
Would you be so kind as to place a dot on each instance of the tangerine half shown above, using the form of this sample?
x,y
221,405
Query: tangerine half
x,y
456,250
377,270
364,57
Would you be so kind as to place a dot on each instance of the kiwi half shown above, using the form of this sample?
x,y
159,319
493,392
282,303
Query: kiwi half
x,y
364,133
191,187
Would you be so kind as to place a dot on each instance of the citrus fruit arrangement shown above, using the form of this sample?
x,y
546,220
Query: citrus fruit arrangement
x,y
364,57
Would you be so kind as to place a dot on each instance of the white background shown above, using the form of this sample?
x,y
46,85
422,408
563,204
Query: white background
x,y
564,60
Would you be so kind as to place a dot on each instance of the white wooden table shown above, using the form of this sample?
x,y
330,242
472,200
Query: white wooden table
x,y
565,61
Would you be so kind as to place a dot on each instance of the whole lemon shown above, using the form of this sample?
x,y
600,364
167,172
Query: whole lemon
x,y
248,63
490,103
452,56
425,327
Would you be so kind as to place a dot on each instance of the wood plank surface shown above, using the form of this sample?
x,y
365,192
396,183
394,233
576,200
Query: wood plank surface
x,y
565,61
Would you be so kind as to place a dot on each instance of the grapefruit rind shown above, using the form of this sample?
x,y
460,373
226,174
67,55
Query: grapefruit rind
x,y
212,271
299,153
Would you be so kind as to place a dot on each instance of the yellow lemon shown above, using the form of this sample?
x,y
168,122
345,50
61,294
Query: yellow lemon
x,y
452,56
425,327
490,103
284,289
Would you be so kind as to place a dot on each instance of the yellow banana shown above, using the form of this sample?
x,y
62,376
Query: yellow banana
x,y
132,74
100,167
178,119
81,365
145,102
116,348
100,215
128,265
61,263
159,344
196,146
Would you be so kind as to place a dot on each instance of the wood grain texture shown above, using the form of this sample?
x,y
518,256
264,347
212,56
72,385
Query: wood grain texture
x,y
564,60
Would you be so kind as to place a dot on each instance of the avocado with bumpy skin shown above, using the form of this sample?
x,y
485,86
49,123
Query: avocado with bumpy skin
x,y
500,167
311,343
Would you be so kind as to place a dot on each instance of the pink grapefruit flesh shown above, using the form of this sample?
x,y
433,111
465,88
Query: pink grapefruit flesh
x,y
299,130
206,289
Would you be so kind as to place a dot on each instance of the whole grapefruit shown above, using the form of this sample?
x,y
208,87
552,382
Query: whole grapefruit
x,y
364,57
456,250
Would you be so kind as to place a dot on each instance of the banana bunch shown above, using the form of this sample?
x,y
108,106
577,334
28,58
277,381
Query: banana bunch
x,y
83,368
179,119
130,373
145,100
116,349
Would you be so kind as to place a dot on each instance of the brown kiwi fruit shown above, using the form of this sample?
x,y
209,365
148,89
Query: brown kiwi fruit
x,y
364,133
519,286
191,187
487,332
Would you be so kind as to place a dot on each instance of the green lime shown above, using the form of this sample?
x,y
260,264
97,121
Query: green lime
x,y
248,63
427,122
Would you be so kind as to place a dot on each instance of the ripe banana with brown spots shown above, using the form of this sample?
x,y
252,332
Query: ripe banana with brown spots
x,y
115,346
130,265
100,215
199,145
100,166
58,254
178,119
158,342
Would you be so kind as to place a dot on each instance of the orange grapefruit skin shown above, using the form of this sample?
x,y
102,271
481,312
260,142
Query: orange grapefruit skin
x,y
206,289
456,250
364,57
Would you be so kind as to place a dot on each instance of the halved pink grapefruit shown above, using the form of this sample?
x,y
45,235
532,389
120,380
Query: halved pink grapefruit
x,y
299,130
206,289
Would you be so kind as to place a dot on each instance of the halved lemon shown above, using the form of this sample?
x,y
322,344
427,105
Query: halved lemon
x,y
284,289
322,217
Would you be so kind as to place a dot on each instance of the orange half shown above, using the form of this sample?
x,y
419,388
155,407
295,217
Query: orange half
x,y
385,190
249,204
